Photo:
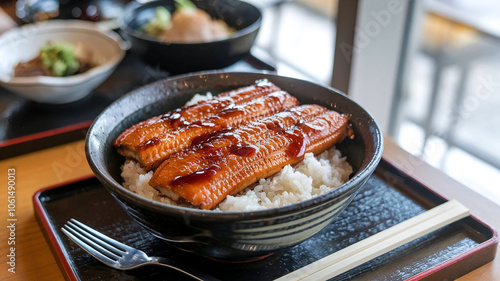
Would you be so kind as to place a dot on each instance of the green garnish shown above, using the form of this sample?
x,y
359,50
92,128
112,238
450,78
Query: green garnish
x,y
159,23
162,19
60,59
184,5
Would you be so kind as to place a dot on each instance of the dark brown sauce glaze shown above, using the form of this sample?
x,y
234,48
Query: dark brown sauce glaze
x,y
149,143
191,114
212,136
243,149
232,111
175,118
310,129
298,137
275,127
298,144
196,177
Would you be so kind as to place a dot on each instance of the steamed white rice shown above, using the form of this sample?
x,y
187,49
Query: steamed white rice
x,y
199,97
311,177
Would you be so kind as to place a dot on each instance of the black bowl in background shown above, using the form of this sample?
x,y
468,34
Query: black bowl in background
x,y
103,11
229,235
187,57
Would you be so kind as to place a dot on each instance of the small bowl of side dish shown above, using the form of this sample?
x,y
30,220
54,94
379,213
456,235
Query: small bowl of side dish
x,y
230,235
103,48
185,53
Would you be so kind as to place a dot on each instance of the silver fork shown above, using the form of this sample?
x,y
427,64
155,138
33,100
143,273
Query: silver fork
x,y
119,255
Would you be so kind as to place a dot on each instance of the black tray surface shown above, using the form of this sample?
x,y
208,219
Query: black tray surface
x,y
388,198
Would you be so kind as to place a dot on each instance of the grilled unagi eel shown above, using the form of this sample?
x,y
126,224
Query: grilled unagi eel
x,y
208,148
228,162
186,115
160,141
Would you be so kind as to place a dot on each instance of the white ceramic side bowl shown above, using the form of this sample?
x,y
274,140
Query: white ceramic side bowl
x,y
24,43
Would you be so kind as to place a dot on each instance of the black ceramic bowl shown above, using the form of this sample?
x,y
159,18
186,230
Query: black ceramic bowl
x,y
187,57
229,235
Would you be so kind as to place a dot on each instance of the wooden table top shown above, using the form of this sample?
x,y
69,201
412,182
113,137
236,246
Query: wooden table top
x,y
33,171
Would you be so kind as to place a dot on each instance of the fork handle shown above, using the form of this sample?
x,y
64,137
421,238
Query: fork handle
x,y
190,271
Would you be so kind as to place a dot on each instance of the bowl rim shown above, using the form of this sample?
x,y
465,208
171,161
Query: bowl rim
x,y
131,7
311,203
13,35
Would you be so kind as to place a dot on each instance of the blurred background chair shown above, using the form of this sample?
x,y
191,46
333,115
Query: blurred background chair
x,y
445,101
451,108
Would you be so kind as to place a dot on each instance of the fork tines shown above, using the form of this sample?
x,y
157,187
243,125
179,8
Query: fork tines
x,y
95,243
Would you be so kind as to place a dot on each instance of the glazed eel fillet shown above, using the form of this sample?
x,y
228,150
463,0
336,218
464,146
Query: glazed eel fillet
x,y
155,148
228,161
129,142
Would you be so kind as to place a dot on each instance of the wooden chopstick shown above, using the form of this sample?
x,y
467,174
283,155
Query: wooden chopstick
x,y
380,243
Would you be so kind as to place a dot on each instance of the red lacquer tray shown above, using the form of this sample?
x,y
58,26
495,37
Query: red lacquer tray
x,y
390,196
